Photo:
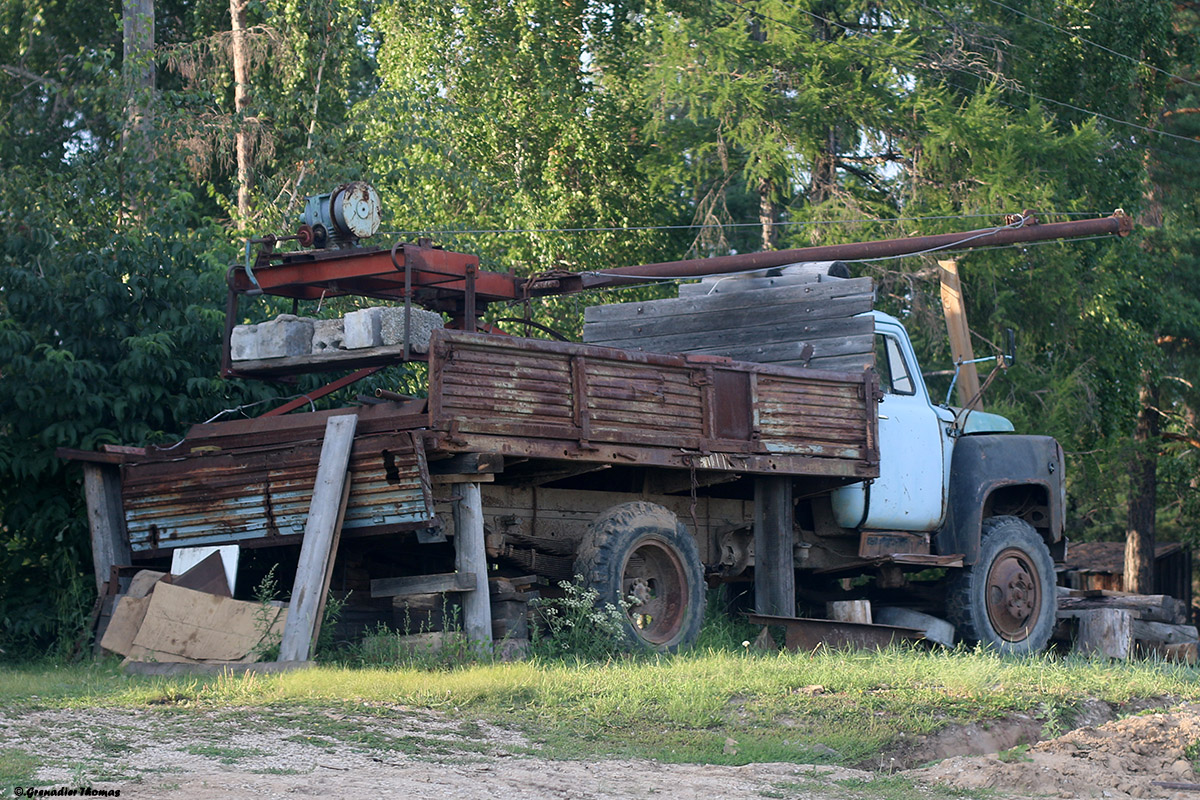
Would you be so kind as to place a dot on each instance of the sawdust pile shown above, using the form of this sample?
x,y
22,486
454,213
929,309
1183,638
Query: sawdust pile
x,y
1130,757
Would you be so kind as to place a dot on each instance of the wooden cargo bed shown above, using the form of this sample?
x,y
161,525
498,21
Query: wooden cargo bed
x,y
250,481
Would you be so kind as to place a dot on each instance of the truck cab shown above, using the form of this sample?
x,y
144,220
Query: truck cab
x,y
982,492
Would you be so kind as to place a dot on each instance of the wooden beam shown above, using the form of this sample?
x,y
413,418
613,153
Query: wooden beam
x,y
955,310
471,558
774,568
319,533
423,584
106,519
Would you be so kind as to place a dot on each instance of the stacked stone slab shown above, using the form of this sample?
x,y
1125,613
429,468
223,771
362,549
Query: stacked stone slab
x,y
286,335
290,336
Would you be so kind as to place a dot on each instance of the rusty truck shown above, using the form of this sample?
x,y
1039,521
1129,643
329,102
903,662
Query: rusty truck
x,y
766,430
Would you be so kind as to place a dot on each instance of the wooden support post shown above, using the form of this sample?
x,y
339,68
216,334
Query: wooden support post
x,y
471,558
774,569
955,310
319,535
1106,632
106,519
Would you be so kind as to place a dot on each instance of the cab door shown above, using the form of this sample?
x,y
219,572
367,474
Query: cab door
x,y
914,449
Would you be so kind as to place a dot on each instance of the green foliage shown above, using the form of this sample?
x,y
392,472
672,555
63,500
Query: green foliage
x,y
576,626
265,594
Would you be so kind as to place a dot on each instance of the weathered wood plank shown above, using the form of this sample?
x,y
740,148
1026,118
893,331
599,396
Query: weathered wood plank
x,y
704,321
470,558
316,549
1163,632
1157,607
795,351
423,584
791,276
724,302
106,519
848,363
774,570
717,341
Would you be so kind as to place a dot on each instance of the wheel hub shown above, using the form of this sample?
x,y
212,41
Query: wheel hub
x,y
654,584
1013,595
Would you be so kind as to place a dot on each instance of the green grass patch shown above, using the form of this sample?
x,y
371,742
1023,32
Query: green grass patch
x,y
674,708
17,767
224,754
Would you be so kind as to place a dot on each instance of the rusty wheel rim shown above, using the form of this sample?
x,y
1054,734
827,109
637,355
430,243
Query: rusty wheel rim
x,y
654,584
1013,594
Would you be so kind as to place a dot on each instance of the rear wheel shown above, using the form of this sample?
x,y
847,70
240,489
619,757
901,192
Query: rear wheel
x,y
639,555
1006,600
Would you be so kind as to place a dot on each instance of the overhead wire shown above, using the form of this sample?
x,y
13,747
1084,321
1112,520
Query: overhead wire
x,y
1085,40
1018,89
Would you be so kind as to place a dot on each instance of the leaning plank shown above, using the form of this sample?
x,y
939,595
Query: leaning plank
x,y
316,549
123,627
106,519
423,584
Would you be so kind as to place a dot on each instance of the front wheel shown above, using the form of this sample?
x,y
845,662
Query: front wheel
x,y
1006,600
639,556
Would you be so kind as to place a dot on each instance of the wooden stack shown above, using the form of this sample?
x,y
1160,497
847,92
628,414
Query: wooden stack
x,y
1118,625
802,319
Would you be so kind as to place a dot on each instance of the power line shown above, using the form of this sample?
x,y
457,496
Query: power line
x,y
1052,26
1017,89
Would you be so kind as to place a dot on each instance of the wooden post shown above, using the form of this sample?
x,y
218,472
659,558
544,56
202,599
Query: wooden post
x,y
955,310
106,519
471,558
319,533
1105,632
774,570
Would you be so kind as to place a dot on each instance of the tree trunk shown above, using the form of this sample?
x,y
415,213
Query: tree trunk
x,y
138,69
1143,497
824,170
768,214
240,52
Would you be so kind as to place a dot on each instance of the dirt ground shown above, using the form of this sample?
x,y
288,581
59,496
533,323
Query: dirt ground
x,y
184,753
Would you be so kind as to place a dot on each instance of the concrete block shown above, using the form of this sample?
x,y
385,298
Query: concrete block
x,y
243,343
328,334
284,336
422,324
362,328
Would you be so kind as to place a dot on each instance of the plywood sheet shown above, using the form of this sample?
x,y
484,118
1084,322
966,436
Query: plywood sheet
x,y
123,627
197,626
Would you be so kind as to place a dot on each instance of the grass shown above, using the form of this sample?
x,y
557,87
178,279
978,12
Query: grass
x,y
676,709
17,767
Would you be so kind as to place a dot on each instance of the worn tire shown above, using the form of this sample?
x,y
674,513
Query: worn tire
x,y
1006,600
642,549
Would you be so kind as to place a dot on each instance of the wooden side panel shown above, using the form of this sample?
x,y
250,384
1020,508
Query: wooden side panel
x,y
592,403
